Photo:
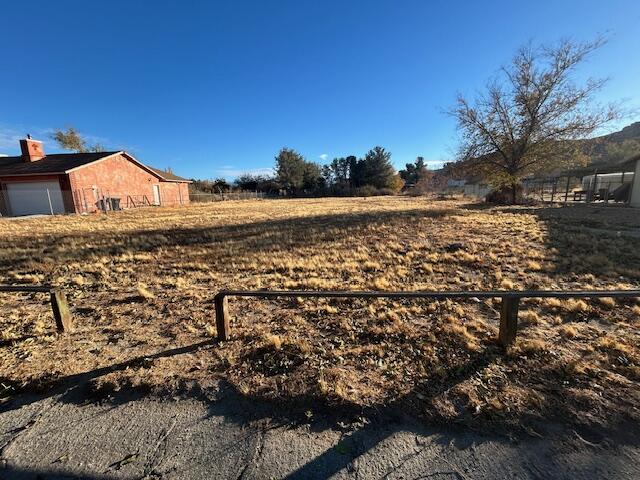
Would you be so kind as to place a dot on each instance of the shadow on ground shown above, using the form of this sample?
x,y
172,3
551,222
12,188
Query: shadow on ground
x,y
362,429
262,236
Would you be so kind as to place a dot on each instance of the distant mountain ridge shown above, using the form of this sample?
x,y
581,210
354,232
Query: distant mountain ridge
x,y
598,149
630,132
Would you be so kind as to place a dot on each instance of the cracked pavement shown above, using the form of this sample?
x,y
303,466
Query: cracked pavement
x,y
62,435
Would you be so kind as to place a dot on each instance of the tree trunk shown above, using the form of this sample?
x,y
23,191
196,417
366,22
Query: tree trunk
x,y
514,193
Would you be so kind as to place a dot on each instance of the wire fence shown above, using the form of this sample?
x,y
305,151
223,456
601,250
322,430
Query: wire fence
x,y
606,188
19,200
224,196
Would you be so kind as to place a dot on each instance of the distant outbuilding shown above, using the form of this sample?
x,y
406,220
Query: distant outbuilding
x,y
36,183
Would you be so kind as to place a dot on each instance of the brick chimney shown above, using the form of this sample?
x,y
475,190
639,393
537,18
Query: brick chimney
x,y
32,150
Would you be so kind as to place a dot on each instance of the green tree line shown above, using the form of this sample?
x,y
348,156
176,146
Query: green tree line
x,y
294,175
370,175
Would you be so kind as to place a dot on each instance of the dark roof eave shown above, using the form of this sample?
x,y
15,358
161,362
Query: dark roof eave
x,y
176,181
167,176
39,174
45,174
624,165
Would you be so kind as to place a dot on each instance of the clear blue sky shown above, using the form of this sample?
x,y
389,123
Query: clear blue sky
x,y
214,88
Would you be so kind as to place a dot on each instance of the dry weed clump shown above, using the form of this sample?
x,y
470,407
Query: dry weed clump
x,y
143,292
533,266
529,317
141,283
569,331
607,302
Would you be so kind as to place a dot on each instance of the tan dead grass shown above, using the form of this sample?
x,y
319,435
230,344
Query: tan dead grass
x,y
529,317
144,292
534,266
141,282
568,331
607,302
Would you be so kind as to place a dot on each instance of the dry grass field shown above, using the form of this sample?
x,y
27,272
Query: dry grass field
x,y
141,285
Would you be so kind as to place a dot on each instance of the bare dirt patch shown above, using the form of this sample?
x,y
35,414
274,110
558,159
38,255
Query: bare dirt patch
x,y
141,284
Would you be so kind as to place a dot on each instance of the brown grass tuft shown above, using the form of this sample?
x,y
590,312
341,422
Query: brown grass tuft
x,y
144,292
610,343
507,284
273,341
530,347
576,306
568,331
534,266
529,317
607,302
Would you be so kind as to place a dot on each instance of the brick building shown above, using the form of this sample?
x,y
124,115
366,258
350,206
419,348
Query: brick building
x,y
35,183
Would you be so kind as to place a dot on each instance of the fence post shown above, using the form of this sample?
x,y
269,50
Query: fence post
x,y
61,312
508,320
592,187
50,205
222,316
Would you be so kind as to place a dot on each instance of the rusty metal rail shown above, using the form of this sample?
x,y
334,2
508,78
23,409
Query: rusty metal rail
x,y
510,301
59,304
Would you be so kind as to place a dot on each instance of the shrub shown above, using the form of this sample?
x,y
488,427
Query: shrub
x,y
387,191
504,195
366,191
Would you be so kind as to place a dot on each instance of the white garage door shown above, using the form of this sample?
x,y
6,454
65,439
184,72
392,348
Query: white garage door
x,y
30,198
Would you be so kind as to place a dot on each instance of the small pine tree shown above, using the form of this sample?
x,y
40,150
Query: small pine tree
x,y
377,170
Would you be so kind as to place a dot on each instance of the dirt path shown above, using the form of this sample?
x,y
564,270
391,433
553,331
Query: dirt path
x,y
65,436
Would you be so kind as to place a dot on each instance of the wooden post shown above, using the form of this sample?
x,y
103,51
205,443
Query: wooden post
x,y
61,312
592,187
628,199
222,317
508,320
566,192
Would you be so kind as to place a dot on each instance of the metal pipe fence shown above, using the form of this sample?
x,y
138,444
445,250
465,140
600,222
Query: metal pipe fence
x,y
508,310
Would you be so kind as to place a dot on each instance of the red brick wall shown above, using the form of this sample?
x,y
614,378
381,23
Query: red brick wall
x,y
119,177
173,193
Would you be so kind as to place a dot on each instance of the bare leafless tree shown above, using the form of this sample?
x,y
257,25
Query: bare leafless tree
x,y
525,120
